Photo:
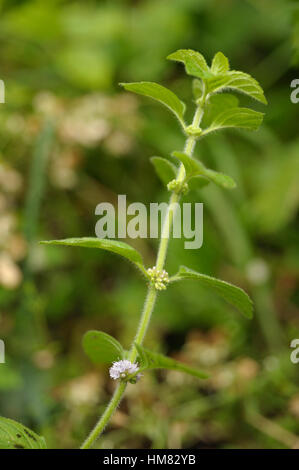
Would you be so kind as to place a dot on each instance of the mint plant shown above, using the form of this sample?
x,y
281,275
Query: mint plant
x,y
216,109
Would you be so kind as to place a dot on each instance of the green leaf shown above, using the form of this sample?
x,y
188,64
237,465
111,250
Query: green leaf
x,y
197,182
102,348
217,104
159,93
164,169
220,64
232,294
150,360
243,118
194,168
237,81
115,246
14,435
218,78
197,88
195,63
220,179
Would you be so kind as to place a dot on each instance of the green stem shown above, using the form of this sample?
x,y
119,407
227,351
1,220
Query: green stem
x,y
144,320
152,292
189,147
101,424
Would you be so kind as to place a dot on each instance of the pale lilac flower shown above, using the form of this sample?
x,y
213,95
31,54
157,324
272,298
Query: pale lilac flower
x,y
121,369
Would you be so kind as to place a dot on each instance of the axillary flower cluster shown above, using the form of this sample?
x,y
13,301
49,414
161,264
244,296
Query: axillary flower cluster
x,y
123,370
179,187
158,278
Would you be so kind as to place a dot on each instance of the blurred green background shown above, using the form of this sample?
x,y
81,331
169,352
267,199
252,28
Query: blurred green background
x,y
70,138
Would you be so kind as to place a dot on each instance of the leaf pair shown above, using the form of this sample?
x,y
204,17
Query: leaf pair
x,y
197,175
102,348
214,79
218,77
167,172
234,295
195,169
14,435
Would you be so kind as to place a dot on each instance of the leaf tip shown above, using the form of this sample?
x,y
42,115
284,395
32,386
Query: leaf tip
x,y
170,56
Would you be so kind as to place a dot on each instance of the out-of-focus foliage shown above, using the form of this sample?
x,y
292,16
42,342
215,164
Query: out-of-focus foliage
x,y
61,62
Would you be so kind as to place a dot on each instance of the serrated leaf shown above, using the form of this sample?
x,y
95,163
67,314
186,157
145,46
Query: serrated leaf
x,y
159,93
165,170
220,64
102,348
195,63
150,360
194,168
115,246
237,81
242,118
232,294
14,435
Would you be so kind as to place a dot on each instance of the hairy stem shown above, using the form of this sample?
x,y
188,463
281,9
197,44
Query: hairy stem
x,y
152,292
101,424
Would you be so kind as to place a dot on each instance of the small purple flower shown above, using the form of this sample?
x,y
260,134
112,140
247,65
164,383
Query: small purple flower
x,y
121,369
